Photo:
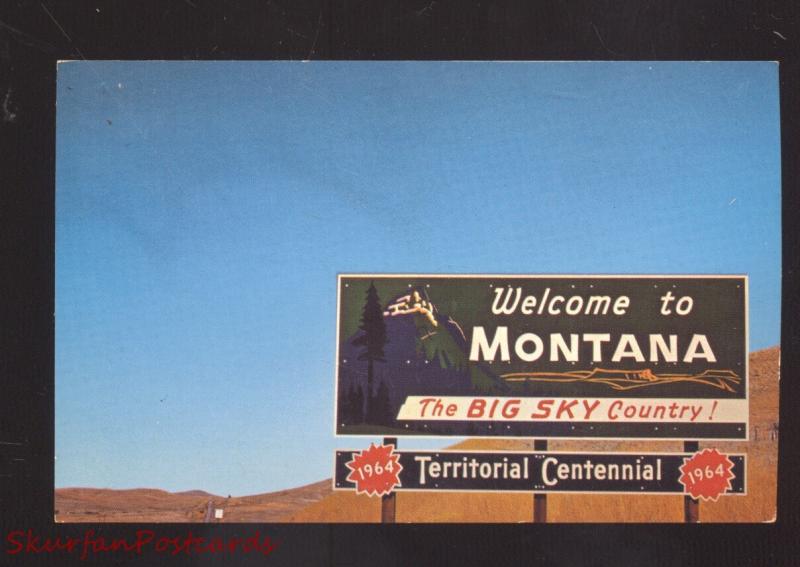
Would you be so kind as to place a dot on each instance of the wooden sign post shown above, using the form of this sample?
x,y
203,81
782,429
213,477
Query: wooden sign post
x,y
691,507
540,500
389,501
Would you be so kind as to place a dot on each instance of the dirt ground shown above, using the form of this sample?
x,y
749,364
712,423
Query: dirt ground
x,y
318,503
758,505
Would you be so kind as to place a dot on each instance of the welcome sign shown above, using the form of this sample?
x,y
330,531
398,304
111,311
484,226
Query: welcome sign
x,y
542,356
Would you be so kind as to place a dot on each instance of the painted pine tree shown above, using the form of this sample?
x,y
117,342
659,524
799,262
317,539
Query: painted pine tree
x,y
382,409
373,339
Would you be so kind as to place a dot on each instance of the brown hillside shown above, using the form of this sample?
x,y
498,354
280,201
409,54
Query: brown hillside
x,y
154,506
318,503
757,506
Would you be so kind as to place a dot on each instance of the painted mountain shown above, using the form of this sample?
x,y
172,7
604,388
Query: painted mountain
x,y
422,352
621,380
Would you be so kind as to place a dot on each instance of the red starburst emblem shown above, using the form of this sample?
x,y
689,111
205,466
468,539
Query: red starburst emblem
x,y
706,474
375,471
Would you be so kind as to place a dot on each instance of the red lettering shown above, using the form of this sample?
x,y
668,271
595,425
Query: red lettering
x,y
425,404
143,537
86,535
566,407
268,547
71,543
510,409
590,408
198,544
100,545
544,408
19,541
33,540
476,408
251,543
117,544
51,545
11,539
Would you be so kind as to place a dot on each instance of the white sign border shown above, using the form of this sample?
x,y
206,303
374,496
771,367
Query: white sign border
x,y
549,492
388,275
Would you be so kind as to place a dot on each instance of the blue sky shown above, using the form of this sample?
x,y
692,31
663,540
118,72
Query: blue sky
x,y
205,208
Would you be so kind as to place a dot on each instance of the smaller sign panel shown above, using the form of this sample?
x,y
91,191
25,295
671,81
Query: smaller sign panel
x,y
552,471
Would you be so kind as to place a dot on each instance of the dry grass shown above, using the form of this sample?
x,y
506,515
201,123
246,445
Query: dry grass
x,y
158,506
759,505
318,503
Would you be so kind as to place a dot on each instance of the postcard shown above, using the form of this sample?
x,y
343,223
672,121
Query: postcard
x,y
417,292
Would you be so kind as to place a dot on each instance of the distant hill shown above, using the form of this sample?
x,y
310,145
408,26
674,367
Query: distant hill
x,y
196,493
318,503
757,506
158,506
